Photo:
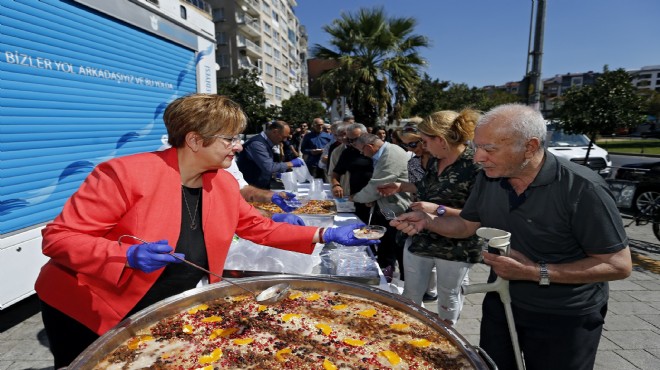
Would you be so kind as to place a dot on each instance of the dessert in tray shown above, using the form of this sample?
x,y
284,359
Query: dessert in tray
x,y
310,329
312,207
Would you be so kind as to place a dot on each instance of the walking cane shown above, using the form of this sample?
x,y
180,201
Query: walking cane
x,y
499,239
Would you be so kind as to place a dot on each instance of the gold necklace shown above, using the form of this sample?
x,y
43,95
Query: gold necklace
x,y
193,224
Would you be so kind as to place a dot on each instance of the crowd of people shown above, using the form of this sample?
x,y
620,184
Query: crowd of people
x,y
431,184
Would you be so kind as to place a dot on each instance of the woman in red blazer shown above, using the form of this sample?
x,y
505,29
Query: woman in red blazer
x,y
181,200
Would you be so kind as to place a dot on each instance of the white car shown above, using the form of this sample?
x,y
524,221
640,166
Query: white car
x,y
574,148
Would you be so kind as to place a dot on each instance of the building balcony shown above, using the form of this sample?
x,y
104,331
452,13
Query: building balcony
x,y
249,25
250,47
249,6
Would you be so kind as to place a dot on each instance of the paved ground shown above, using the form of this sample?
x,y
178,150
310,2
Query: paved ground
x,y
631,339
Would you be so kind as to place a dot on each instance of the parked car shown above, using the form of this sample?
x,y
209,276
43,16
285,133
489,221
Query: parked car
x,y
574,148
646,176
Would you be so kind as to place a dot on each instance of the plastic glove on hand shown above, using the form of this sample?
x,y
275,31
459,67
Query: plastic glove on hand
x,y
288,204
297,162
150,257
344,235
288,218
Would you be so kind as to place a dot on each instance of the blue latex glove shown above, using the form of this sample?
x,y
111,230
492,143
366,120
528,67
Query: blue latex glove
x,y
297,162
150,257
288,218
288,204
344,235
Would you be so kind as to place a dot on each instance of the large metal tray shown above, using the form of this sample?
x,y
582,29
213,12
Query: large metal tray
x,y
173,305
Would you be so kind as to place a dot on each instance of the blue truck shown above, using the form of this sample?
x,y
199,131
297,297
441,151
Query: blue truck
x,y
81,82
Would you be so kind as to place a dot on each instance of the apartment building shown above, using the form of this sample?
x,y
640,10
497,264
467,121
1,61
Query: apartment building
x,y
646,78
264,35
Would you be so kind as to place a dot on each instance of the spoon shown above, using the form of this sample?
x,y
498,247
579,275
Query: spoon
x,y
270,295
371,213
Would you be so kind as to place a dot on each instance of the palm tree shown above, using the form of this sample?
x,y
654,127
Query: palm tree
x,y
378,62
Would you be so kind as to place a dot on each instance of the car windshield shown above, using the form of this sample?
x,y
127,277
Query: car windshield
x,y
560,138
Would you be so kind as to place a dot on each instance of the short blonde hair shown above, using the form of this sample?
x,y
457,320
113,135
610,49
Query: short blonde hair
x,y
206,114
457,128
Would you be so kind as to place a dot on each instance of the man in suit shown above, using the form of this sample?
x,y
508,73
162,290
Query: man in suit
x,y
390,165
256,160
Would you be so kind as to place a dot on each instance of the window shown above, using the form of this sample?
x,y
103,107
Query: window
x,y
155,2
276,37
219,15
224,60
269,69
267,28
184,12
276,17
576,81
278,75
268,88
221,38
277,55
268,48
278,92
265,7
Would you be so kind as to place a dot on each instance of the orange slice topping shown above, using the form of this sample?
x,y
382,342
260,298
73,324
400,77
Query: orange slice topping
x,y
313,297
354,342
392,357
340,307
188,329
201,307
289,316
367,313
213,318
222,333
280,354
420,342
327,365
325,328
399,326
212,357
135,342
244,341
295,295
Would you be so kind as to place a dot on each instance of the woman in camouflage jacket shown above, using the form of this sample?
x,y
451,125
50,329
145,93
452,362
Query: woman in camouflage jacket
x,y
443,190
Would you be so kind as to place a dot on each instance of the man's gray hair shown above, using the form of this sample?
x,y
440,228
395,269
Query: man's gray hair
x,y
520,121
368,139
355,126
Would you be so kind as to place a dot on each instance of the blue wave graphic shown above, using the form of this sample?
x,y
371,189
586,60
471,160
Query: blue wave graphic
x,y
7,206
74,168
127,137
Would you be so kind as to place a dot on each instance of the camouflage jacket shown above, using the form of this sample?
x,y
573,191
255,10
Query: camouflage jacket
x,y
450,188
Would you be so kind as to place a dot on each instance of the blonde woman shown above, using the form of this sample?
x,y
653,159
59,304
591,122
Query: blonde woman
x,y
444,189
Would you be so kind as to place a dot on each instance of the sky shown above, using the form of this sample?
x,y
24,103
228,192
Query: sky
x,y
485,42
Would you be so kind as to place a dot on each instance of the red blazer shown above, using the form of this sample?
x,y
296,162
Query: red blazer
x,y
87,278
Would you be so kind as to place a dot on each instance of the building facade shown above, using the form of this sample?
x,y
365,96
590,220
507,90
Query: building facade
x,y
263,35
646,78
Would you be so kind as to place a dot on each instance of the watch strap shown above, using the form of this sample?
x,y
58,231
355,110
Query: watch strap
x,y
544,278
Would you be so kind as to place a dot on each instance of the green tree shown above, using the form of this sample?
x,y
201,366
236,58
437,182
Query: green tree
x,y
378,62
609,103
429,96
246,90
300,108
651,104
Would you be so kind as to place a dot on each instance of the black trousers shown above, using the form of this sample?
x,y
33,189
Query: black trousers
x,y
67,337
548,342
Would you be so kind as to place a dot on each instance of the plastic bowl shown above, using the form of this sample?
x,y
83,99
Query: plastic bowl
x,y
370,232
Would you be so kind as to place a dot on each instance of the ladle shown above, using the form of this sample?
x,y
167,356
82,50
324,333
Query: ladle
x,y
270,295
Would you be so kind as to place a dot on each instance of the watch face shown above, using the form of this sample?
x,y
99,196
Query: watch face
x,y
441,211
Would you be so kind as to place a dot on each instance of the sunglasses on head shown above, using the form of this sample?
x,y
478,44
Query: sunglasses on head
x,y
413,145
409,129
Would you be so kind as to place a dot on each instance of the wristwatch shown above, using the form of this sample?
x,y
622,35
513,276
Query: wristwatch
x,y
441,210
545,277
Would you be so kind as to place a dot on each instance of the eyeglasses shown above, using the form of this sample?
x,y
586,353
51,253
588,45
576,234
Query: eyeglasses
x,y
351,141
413,145
230,141
409,129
